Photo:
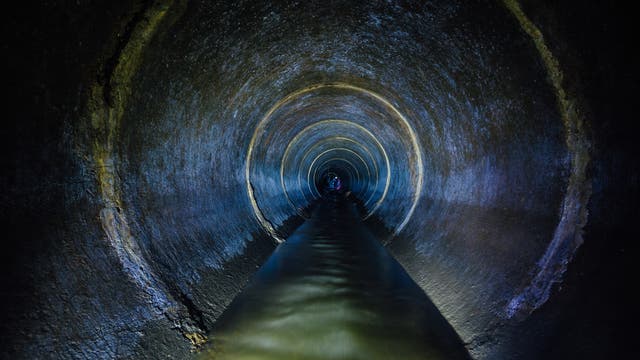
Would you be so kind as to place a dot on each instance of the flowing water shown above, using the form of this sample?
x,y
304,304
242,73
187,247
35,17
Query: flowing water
x,y
331,291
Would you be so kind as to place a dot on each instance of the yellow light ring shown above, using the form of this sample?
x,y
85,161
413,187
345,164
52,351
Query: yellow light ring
x,y
315,172
338,159
345,150
311,167
417,152
348,170
373,163
312,126
324,140
378,144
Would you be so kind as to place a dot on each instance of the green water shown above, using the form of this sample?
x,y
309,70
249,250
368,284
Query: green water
x,y
332,292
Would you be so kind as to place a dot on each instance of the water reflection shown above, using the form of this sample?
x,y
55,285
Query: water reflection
x,y
332,292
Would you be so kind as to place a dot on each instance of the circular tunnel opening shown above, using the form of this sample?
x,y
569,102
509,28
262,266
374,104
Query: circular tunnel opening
x,y
333,180
456,157
328,123
213,127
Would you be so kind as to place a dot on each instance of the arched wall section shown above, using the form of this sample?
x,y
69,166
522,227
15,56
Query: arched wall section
x,y
189,137
453,109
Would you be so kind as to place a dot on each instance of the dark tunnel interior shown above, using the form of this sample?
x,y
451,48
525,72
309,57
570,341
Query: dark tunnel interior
x,y
321,179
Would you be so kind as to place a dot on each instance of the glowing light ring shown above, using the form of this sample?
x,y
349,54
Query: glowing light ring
x,y
356,179
417,152
310,127
373,162
345,161
340,149
319,156
315,172
380,147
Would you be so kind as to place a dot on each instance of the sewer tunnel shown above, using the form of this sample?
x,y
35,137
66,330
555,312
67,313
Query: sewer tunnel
x,y
199,137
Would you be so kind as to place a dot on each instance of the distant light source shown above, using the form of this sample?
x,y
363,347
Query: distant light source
x,y
335,183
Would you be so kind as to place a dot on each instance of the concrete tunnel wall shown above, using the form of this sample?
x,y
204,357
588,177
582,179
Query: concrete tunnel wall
x,y
200,143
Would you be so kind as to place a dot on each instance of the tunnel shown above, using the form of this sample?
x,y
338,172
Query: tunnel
x,y
163,159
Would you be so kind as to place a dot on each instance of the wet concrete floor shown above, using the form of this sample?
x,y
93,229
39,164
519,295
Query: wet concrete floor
x,y
331,291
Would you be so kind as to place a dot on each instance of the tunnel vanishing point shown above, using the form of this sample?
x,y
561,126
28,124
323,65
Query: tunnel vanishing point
x,y
319,180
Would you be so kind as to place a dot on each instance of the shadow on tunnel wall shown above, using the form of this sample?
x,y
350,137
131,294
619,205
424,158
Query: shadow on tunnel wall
x,y
128,240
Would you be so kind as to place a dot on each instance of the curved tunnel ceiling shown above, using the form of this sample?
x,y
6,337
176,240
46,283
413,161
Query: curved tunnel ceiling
x,y
447,120
322,125
444,122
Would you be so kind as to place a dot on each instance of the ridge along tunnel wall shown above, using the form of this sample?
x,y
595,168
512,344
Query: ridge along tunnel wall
x,y
453,110
442,115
